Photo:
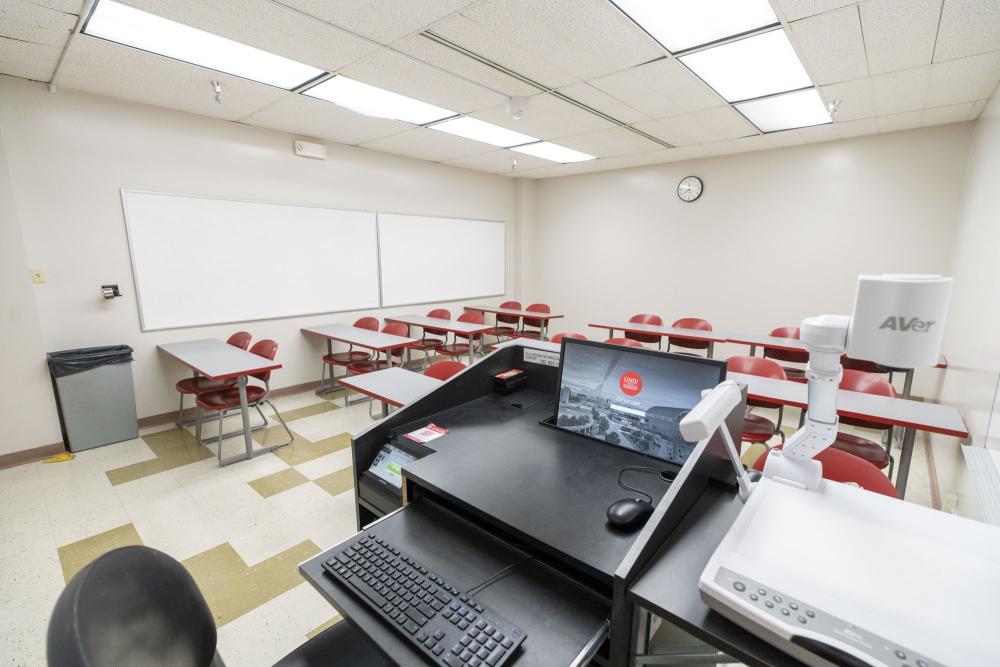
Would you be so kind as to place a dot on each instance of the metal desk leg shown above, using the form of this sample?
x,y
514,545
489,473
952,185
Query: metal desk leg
x,y
906,447
472,348
711,349
753,350
241,382
332,387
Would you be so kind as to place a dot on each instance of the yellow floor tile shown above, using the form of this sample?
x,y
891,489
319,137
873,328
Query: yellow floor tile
x,y
77,555
337,482
302,450
308,411
329,624
277,482
174,448
232,588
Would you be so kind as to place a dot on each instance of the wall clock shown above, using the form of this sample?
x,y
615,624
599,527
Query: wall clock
x,y
689,188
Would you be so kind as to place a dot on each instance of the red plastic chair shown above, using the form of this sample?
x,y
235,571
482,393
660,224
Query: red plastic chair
x,y
225,400
457,349
536,323
426,344
644,318
372,365
559,337
199,385
755,427
625,342
345,359
502,331
789,356
442,370
686,343
872,452
839,466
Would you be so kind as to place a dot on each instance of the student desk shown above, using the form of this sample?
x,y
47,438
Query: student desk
x,y
217,360
451,326
376,341
712,337
532,314
393,386
911,415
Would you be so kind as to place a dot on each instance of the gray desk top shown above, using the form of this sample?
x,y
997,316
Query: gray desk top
x,y
345,333
453,326
218,360
635,327
531,314
395,386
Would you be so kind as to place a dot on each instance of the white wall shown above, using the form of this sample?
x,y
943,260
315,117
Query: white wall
x,y
69,155
28,411
776,236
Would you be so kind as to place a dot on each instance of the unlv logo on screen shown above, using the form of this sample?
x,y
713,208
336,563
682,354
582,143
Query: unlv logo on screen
x,y
630,383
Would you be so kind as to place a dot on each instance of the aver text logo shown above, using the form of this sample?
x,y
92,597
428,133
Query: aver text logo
x,y
914,324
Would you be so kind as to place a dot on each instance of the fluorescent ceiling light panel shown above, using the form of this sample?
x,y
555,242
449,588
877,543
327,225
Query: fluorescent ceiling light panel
x,y
129,26
683,24
752,67
785,112
373,101
549,151
479,130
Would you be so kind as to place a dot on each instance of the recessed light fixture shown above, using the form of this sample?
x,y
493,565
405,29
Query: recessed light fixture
x,y
549,151
752,67
683,24
126,25
479,130
370,100
802,108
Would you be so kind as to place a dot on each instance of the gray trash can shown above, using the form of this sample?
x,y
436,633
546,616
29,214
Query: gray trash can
x,y
94,395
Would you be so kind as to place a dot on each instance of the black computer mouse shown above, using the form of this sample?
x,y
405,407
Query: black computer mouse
x,y
629,513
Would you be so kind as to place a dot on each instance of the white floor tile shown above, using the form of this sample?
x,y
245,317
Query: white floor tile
x,y
324,465
121,454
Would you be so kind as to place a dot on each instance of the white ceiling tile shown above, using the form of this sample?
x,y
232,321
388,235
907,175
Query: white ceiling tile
x,y
832,46
500,161
27,59
782,139
900,121
30,22
963,80
968,27
546,117
384,21
899,34
408,76
268,26
720,123
675,130
741,145
609,143
977,108
820,133
601,101
452,61
427,144
792,10
953,113
102,67
659,89
695,152
857,128
901,91
856,98
311,117
68,6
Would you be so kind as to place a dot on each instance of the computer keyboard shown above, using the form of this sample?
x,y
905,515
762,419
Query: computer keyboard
x,y
446,625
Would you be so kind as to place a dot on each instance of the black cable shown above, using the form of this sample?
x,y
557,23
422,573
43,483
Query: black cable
x,y
499,574
627,487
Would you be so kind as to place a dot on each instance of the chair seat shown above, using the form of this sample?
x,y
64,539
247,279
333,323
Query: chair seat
x,y
426,344
757,428
863,448
338,646
345,358
200,385
453,350
536,335
795,374
370,366
500,331
225,399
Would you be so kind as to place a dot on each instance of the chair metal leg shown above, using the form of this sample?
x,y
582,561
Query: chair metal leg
x,y
180,411
277,414
219,445
199,416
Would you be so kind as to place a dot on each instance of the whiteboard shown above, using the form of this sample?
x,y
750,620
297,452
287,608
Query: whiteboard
x,y
199,260
427,259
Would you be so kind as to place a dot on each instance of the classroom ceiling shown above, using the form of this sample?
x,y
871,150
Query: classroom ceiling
x,y
594,80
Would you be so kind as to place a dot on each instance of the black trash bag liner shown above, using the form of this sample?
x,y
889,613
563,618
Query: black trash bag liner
x,y
70,362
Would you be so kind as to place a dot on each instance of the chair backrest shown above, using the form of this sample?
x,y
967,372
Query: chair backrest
x,y
840,466
370,323
442,370
868,383
690,323
756,366
397,329
240,339
131,606
794,356
534,321
559,336
473,317
438,314
645,318
509,319
266,348
627,342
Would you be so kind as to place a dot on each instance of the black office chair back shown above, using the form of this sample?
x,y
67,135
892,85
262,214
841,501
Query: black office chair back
x,y
132,606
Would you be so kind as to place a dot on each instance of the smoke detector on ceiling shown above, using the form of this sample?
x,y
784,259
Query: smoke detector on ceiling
x,y
517,107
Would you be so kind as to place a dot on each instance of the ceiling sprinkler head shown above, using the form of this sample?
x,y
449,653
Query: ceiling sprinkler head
x,y
832,108
217,87
517,107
